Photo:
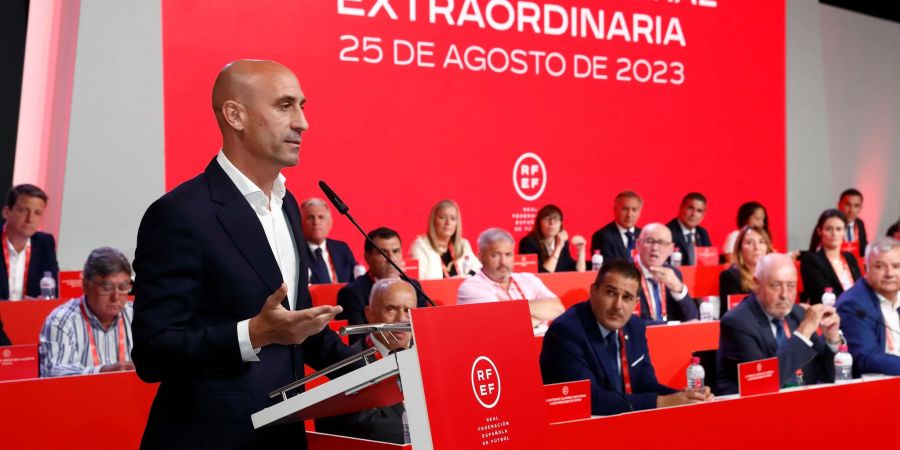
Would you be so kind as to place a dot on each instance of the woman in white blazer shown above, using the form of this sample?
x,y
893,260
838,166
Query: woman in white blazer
x,y
443,252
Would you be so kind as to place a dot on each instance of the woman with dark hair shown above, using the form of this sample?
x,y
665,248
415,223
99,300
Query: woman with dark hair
x,y
549,240
750,213
825,266
753,244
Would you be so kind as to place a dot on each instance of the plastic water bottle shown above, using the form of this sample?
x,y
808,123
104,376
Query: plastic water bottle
x,y
828,297
676,259
406,437
359,270
596,261
467,266
695,375
843,365
48,286
706,311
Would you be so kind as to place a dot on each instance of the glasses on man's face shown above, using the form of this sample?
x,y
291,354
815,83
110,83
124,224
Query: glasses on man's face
x,y
650,242
108,288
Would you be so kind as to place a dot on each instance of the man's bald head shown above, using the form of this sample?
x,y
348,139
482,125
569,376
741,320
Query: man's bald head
x,y
655,244
776,284
390,302
239,81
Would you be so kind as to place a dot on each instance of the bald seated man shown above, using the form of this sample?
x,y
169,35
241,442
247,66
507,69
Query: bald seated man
x,y
663,295
222,312
769,323
390,302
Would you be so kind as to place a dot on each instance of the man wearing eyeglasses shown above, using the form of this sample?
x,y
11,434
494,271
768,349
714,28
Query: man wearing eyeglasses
x,y
92,333
664,296
769,323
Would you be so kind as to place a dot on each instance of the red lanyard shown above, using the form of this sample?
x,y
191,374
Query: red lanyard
x,y
92,344
452,260
333,274
9,267
512,282
626,376
787,331
651,302
890,339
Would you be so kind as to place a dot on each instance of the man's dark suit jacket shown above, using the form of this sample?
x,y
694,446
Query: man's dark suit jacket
x,y
43,259
729,284
863,327
4,340
574,349
745,334
700,234
818,274
609,241
863,239
682,310
341,257
383,424
203,264
354,297
530,245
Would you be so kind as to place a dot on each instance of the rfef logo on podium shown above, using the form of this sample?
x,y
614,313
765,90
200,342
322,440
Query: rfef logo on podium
x,y
486,382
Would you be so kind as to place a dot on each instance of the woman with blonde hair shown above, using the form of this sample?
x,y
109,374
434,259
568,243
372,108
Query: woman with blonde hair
x,y
443,252
751,244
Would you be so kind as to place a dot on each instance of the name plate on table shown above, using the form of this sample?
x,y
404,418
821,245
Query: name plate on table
x,y
18,362
525,263
70,284
735,299
758,377
411,267
568,401
707,256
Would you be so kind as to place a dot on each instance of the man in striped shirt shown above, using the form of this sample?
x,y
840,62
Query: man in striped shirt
x,y
92,333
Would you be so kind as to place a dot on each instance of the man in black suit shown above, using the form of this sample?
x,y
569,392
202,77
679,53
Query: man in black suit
x,y
390,302
663,294
850,203
768,323
29,252
222,313
331,260
354,297
686,230
616,240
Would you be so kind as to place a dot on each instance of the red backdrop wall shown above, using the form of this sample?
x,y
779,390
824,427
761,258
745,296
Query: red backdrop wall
x,y
393,138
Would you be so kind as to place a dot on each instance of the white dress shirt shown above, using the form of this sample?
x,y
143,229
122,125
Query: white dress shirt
x,y
624,237
16,271
892,320
275,224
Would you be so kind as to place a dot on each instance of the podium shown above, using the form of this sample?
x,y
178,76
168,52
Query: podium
x,y
471,380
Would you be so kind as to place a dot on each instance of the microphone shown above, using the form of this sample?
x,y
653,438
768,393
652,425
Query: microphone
x,y
342,208
862,315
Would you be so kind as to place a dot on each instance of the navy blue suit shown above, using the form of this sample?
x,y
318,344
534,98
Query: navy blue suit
x,y
609,241
863,327
203,264
43,259
354,297
701,237
682,310
574,349
341,257
745,334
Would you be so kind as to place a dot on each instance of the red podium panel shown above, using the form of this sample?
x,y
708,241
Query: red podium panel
x,y
568,401
480,391
18,362
23,320
70,284
707,256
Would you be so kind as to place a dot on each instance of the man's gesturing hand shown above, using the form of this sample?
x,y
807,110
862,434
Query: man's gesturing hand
x,y
276,325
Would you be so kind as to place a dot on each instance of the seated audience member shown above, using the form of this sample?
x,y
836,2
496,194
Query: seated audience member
x,y
497,282
92,333
753,244
354,297
331,261
27,252
850,203
602,341
750,213
825,265
550,241
391,300
617,239
769,324
444,252
686,230
663,295
869,315
894,230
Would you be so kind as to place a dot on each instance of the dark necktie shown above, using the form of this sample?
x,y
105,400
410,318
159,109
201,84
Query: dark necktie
x,y
630,235
850,232
613,351
323,269
656,300
690,250
780,337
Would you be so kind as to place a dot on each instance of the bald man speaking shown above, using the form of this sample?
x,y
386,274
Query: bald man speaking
x,y
222,312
